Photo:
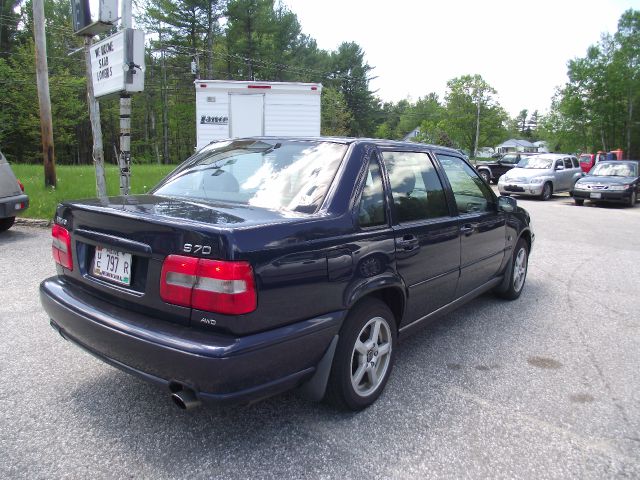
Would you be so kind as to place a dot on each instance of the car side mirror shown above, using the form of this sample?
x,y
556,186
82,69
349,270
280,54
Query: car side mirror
x,y
559,167
507,204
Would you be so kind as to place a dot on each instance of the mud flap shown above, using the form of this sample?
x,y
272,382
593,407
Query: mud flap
x,y
504,285
315,387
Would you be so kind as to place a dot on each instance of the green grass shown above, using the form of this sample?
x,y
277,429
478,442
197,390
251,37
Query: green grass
x,y
76,182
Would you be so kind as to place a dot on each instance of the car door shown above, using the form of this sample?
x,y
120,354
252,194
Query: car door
x,y
426,231
561,174
506,163
482,226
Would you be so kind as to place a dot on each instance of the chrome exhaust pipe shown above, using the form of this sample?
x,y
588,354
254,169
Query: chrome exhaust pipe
x,y
185,399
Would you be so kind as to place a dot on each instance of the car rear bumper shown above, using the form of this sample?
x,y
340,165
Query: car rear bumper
x,y
605,196
219,368
11,206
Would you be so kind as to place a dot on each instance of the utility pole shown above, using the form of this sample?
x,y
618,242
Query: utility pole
x,y
124,160
96,128
475,147
42,77
165,106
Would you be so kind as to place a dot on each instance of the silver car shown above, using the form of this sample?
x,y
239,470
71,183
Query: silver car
x,y
12,197
541,176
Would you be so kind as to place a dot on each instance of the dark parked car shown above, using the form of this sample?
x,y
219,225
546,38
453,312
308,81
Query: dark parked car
x,y
264,264
12,197
615,181
491,171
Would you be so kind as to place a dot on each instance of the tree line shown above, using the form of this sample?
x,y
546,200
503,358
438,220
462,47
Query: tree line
x,y
599,106
263,40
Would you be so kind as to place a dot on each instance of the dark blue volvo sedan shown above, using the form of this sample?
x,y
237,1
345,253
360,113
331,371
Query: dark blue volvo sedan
x,y
264,264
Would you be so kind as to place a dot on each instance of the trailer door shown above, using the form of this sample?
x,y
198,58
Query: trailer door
x,y
246,115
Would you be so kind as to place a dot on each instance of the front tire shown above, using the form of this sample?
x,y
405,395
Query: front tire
x,y
633,199
578,201
6,223
519,268
547,191
364,356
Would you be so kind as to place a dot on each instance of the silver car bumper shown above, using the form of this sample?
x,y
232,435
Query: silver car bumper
x,y
518,188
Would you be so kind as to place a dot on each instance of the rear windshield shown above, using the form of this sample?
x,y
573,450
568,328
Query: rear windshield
x,y
279,175
585,158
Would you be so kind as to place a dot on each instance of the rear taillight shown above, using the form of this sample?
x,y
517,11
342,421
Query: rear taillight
x,y
20,185
211,285
61,246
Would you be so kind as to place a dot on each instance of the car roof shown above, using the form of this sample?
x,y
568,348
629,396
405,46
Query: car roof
x,y
555,156
618,162
353,140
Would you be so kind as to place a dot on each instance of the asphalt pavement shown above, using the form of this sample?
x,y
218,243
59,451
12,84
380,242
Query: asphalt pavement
x,y
547,386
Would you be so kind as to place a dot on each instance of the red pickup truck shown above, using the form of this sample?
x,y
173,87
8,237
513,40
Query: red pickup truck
x,y
588,160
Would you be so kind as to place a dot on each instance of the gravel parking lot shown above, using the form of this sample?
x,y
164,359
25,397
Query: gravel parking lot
x,y
547,386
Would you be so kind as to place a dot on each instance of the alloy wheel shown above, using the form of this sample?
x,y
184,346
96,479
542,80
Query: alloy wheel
x,y
371,356
520,269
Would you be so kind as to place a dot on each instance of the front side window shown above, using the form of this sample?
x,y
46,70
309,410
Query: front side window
x,y
415,187
279,175
471,193
372,212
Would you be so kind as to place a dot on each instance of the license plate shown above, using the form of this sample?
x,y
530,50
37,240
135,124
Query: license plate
x,y
112,265
595,195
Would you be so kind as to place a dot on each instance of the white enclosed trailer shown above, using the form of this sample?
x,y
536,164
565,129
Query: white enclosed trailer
x,y
232,109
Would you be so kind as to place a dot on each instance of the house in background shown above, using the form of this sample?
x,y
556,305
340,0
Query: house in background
x,y
542,147
485,152
409,137
515,145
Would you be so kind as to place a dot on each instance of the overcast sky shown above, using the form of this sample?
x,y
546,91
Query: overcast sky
x,y
520,48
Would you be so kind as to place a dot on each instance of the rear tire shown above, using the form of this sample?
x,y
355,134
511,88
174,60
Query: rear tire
x,y
578,201
364,356
486,176
519,268
6,223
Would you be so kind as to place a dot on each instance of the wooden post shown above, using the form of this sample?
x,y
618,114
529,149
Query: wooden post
x,y
42,78
96,128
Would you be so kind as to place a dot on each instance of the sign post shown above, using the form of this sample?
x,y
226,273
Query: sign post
x,y
116,67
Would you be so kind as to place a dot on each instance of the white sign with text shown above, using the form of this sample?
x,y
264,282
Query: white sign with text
x,y
117,63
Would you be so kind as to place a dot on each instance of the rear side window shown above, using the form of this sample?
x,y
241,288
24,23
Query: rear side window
x,y
471,193
372,206
574,160
415,187
279,175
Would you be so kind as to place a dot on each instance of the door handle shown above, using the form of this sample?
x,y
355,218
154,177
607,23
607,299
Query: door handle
x,y
407,242
467,229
